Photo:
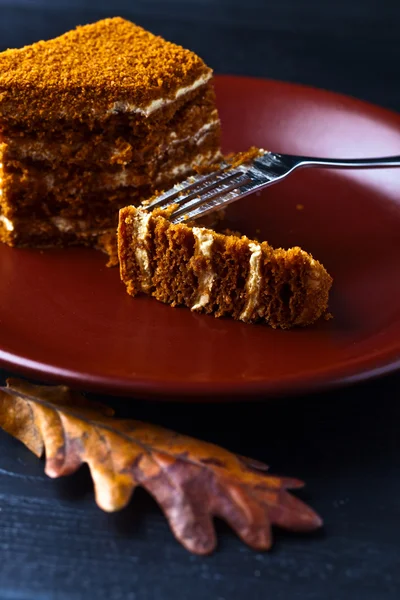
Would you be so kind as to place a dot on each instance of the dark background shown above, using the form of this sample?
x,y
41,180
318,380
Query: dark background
x,y
55,543
350,46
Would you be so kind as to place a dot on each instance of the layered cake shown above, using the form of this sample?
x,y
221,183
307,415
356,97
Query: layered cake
x,y
91,121
223,275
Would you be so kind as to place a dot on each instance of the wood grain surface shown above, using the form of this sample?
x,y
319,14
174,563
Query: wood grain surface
x,y
55,543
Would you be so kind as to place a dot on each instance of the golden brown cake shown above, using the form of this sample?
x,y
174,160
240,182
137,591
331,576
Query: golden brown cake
x,y
223,275
91,121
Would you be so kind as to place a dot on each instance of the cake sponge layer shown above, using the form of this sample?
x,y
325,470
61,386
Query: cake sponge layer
x,y
24,184
117,141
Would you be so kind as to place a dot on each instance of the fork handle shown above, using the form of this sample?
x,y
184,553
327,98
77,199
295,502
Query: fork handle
x,y
349,163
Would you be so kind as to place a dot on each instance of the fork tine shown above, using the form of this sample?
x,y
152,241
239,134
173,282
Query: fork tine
x,y
188,186
199,194
221,179
225,185
217,201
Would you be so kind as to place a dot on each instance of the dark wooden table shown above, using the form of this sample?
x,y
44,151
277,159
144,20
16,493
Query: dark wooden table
x,y
55,543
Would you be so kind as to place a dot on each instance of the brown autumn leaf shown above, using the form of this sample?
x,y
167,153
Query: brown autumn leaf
x,y
191,480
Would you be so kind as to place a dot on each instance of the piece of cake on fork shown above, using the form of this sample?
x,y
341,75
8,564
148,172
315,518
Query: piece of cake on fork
x,y
91,121
223,275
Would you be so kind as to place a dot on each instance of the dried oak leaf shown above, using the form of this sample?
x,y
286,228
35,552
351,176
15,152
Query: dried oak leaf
x,y
191,480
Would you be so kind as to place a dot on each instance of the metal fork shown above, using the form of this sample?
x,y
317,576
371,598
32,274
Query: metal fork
x,y
200,195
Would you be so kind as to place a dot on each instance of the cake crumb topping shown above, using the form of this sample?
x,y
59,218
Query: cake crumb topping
x,y
94,67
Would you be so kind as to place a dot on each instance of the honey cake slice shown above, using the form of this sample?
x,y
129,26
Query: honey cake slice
x,y
98,118
223,275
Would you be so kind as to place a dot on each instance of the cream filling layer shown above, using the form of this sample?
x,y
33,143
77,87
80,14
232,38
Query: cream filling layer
x,y
125,178
253,283
128,107
7,223
63,224
183,168
38,150
314,278
204,244
197,137
141,228
313,283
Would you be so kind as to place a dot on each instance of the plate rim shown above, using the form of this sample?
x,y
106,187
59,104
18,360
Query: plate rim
x,y
292,386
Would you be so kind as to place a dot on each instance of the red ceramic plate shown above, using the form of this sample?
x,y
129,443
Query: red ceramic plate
x,y
65,317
